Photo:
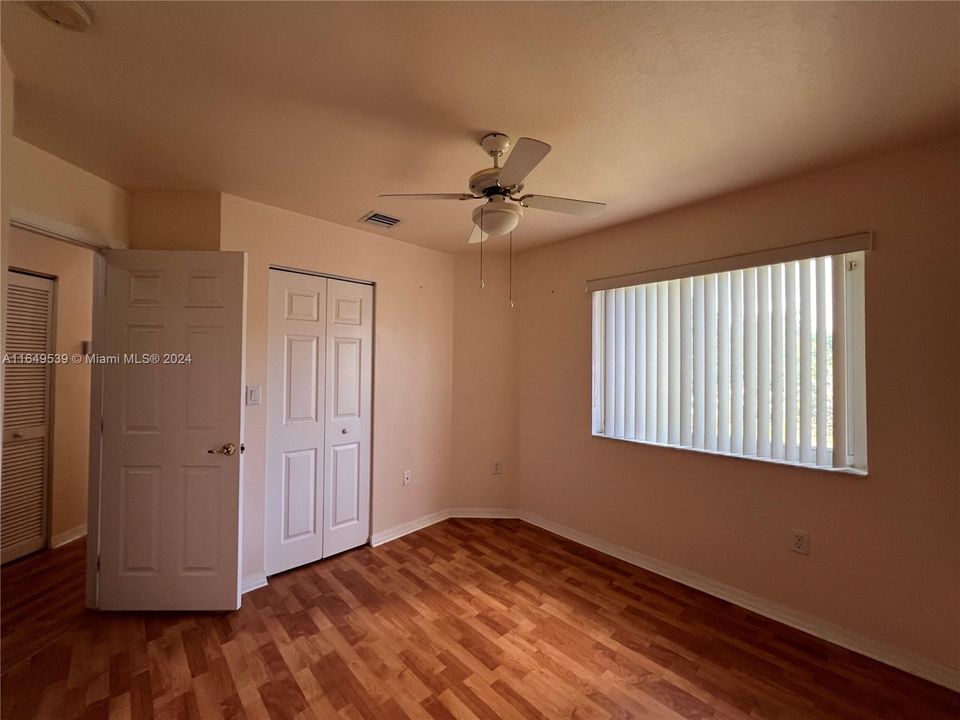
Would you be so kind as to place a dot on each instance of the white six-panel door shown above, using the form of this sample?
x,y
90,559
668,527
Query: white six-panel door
x,y
318,404
295,405
170,482
346,507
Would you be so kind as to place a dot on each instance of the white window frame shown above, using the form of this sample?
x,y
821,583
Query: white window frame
x,y
849,446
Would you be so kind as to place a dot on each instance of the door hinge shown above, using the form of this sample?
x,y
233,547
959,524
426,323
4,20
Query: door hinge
x,y
98,563
101,426
852,265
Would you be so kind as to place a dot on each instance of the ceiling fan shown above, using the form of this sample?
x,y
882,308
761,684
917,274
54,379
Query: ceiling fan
x,y
502,187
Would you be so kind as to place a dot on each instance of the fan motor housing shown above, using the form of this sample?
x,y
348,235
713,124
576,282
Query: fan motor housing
x,y
486,182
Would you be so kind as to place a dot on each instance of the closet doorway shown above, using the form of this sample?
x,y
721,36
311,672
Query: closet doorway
x,y
319,385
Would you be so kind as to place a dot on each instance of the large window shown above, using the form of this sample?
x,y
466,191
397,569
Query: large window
x,y
761,362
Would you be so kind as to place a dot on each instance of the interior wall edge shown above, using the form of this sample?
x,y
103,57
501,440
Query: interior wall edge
x,y
40,224
252,582
68,536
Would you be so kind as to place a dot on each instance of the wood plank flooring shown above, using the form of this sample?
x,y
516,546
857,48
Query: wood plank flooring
x,y
465,619
41,596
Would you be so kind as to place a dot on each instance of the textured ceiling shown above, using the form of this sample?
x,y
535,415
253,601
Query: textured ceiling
x,y
318,107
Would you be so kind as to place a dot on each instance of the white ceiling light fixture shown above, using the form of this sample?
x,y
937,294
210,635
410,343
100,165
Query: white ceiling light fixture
x,y
499,216
502,187
67,14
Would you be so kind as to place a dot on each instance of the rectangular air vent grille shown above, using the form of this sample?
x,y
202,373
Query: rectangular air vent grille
x,y
376,218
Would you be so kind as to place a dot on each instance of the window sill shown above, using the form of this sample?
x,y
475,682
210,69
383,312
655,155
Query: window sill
x,y
857,472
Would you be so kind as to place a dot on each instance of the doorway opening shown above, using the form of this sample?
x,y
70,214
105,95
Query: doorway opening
x,y
48,324
48,318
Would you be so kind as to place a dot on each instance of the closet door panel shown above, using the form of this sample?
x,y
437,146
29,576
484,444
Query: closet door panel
x,y
346,507
295,405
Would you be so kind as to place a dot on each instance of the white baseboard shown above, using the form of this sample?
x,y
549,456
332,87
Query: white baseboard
x,y
68,536
252,582
493,513
398,531
836,634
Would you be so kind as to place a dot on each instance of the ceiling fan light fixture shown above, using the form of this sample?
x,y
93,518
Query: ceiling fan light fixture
x,y
66,14
499,216
501,185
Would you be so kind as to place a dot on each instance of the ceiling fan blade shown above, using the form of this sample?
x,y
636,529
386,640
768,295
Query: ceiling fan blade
x,y
429,196
524,157
477,236
583,208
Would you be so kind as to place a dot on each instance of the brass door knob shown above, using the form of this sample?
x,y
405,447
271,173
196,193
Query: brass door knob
x,y
226,449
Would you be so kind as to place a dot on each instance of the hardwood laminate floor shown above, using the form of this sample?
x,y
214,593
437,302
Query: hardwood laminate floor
x,y
41,597
464,619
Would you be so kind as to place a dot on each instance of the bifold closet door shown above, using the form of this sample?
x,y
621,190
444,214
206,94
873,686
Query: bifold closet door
x,y
320,365
26,415
346,507
295,425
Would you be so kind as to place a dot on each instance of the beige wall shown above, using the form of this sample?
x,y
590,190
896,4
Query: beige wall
x,y
484,390
45,184
885,557
6,132
6,175
73,268
174,220
413,347
41,183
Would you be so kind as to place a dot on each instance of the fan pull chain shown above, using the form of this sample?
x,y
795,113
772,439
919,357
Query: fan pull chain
x,y
481,249
510,266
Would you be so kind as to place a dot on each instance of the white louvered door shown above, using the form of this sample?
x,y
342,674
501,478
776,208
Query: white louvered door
x,y
26,415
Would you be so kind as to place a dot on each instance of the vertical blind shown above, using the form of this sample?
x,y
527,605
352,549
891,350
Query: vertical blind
x,y
761,362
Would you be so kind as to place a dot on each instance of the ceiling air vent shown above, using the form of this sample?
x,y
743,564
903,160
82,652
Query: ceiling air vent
x,y
379,219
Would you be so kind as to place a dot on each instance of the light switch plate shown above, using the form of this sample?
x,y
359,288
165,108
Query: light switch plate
x,y
253,394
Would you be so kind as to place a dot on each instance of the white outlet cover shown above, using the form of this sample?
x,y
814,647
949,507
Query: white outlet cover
x,y
253,395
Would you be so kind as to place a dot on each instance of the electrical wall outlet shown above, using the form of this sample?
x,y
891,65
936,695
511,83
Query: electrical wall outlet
x,y
496,468
407,477
800,542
